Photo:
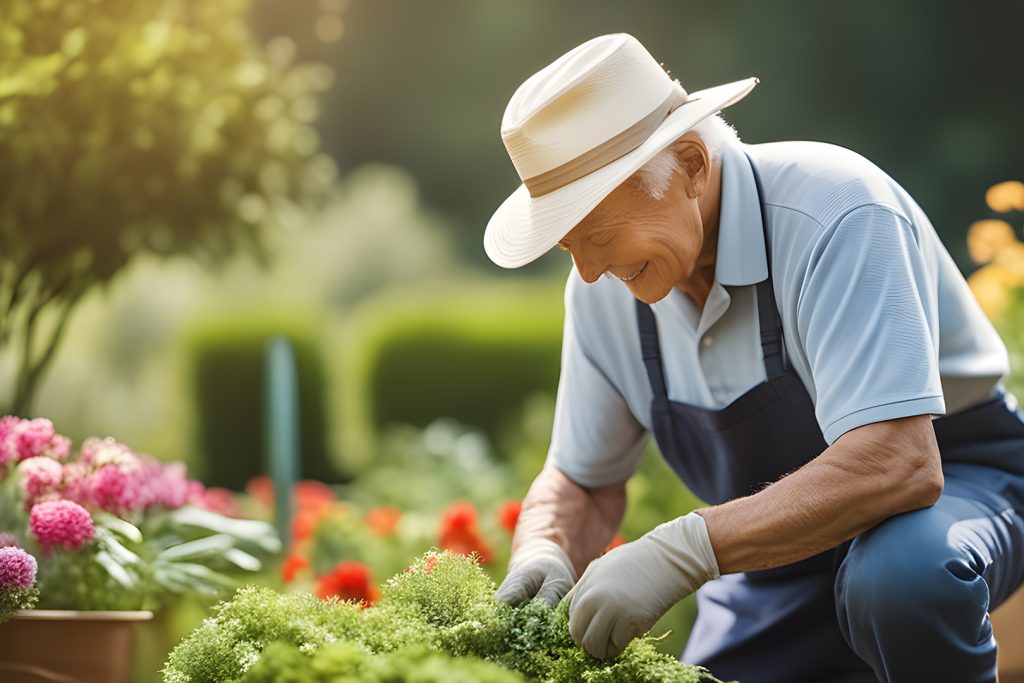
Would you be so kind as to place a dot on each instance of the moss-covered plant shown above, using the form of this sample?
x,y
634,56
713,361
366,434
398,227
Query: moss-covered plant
x,y
436,621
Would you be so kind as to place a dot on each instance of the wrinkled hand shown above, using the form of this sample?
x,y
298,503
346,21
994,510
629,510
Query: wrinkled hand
x,y
623,594
539,569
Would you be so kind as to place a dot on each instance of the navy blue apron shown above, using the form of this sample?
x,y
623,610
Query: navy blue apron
x,y
781,619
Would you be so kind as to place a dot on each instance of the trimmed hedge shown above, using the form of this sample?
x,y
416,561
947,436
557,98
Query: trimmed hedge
x,y
226,359
472,357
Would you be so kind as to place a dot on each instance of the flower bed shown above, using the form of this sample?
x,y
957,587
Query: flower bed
x,y
436,621
107,528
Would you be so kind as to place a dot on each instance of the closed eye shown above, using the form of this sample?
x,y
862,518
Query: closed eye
x,y
602,238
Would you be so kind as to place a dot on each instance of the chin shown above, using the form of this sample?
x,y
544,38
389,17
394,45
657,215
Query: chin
x,y
649,296
655,284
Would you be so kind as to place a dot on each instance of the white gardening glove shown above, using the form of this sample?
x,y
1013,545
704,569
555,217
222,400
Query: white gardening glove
x,y
622,594
539,569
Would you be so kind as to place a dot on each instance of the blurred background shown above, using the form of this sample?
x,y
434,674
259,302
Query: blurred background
x,y
180,180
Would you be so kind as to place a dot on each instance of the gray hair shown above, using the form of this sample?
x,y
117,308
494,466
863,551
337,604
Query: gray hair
x,y
656,174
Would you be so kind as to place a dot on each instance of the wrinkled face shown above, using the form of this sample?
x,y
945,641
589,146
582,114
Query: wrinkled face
x,y
650,244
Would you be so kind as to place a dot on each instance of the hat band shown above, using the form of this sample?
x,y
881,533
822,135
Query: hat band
x,y
608,151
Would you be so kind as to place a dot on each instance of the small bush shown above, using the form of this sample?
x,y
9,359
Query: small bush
x,y
438,616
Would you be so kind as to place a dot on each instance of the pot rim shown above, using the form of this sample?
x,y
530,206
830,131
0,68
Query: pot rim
x,y
82,615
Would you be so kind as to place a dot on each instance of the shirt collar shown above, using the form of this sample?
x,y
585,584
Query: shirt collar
x,y
741,258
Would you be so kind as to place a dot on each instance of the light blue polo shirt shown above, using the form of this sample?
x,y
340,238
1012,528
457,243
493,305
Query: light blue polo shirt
x,y
878,322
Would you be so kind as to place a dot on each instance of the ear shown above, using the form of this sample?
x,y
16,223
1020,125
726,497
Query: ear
x,y
695,163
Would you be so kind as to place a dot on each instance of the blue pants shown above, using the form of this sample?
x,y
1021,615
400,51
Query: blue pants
x,y
906,601
913,594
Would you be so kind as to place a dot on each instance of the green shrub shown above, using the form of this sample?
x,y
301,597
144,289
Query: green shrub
x,y
437,613
475,357
227,359
345,661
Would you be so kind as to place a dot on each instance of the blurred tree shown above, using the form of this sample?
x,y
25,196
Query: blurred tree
x,y
129,126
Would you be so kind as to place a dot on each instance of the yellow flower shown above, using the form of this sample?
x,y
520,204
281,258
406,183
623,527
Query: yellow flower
x,y
990,285
1011,257
985,239
1007,196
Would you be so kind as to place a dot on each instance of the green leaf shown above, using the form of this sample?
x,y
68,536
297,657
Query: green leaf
x,y
243,560
118,526
254,531
218,543
112,546
188,576
171,580
116,571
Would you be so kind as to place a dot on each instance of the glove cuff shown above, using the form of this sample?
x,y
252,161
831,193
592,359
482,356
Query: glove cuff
x,y
686,542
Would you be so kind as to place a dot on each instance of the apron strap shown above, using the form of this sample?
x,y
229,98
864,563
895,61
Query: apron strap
x,y
767,312
650,349
768,318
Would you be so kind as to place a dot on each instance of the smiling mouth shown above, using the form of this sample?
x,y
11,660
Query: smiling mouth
x,y
634,275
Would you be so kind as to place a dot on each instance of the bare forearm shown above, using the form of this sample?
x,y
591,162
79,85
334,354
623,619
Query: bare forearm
x,y
581,520
861,480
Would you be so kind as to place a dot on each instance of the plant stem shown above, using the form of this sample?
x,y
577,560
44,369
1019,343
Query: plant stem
x,y
32,369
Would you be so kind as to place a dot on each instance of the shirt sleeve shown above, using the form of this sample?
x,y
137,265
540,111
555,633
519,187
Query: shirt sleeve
x,y
595,440
868,320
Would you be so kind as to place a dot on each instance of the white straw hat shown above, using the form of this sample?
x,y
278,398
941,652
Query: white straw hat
x,y
578,128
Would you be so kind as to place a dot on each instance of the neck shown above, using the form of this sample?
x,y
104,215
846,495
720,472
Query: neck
x,y
699,284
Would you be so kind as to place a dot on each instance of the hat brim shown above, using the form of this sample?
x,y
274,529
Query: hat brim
x,y
524,228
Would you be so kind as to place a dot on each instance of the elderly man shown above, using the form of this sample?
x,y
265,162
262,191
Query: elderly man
x,y
785,320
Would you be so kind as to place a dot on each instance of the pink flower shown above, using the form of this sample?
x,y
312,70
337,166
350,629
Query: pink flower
x,y
220,500
60,447
113,488
61,522
75,484
39,476
174,488
8,539
24,439
97,452
17,569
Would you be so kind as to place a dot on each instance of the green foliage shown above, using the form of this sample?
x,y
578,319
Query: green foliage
x,y
1011,329
13,599
81,582
473,356
441,608
227,359
231,640
138,126
283,663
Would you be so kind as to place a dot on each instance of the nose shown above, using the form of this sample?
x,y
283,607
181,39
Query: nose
x,y
587,269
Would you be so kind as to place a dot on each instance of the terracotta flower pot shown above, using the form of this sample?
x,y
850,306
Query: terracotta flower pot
x,y
58,646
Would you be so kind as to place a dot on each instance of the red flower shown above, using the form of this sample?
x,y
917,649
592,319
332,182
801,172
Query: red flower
x,y
311,492
383,520
350,580
508,514
262,489
459,532
616,542
292,565
308,516
306,492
